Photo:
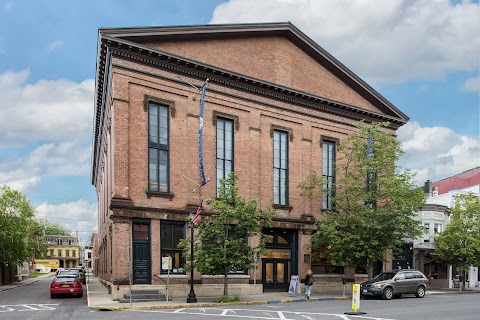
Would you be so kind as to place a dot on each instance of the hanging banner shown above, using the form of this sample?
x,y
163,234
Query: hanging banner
x,y
200,134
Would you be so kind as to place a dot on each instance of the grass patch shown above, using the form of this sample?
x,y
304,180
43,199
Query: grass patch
x,y
227,299
35,275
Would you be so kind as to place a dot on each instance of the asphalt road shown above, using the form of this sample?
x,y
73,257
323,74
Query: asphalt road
x,y
33,302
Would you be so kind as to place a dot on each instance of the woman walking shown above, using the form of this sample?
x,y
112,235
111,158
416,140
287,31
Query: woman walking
x,y
308,283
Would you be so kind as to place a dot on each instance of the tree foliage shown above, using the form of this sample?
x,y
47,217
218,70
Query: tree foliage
x,y
222,241
459,243
55,229
18,228
375,203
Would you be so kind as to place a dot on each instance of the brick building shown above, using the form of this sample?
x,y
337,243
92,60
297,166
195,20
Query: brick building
x,y
276,107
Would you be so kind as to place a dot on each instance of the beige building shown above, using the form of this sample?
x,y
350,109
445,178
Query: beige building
x,y
276,107
64,248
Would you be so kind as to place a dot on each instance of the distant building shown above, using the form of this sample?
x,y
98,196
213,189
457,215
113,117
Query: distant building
x,y
64,248
277,106
440,197
468,180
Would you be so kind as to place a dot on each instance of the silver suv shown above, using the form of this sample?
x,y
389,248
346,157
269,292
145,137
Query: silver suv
x,y
394,283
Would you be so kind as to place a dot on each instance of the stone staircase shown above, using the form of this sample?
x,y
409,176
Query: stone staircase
x,y
143,295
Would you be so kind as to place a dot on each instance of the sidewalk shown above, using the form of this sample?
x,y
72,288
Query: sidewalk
x,y
99,298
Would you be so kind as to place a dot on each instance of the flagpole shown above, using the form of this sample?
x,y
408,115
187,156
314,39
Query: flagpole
x,y
192,298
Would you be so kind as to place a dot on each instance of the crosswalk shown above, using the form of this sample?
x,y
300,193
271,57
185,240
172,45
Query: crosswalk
x,y
262,314
27,307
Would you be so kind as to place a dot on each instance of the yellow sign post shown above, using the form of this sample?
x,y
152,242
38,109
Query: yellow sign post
x,y
355,300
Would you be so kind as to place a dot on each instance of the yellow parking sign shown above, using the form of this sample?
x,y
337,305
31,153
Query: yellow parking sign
x,y
356,297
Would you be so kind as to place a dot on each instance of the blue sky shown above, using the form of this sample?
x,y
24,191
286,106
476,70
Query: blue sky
x,y
423,56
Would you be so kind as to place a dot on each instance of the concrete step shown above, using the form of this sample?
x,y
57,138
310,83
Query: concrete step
x,y
143,296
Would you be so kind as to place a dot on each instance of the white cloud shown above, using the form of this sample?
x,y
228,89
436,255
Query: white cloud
x,y
48,110
54,46
472,85
382,41
438,152
65,159
8,6
75,216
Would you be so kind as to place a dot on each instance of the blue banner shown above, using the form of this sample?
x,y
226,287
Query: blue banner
x,y
200,128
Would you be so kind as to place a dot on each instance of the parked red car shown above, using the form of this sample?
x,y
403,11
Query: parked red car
x,y
66,285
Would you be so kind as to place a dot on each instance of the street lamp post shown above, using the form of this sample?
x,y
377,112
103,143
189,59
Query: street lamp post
x,y
192,298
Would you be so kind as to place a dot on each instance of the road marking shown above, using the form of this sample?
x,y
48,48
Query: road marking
x,y
263,314
27,307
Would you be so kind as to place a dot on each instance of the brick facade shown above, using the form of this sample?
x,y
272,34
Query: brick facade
x,y
264,77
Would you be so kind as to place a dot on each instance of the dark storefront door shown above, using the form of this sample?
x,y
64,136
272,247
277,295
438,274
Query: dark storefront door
x,y
275,274
141,253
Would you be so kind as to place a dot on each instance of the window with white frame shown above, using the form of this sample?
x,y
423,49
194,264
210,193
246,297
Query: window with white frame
x,y
328,173
280,168
224,149
158,148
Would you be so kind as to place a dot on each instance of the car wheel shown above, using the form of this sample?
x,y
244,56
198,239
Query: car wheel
x,y
420,293
387,293
52,296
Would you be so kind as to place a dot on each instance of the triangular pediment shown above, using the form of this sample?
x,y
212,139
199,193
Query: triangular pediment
x,y
275,53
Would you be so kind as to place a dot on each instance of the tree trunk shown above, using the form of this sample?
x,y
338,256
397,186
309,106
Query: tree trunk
x,y
370,270
225,283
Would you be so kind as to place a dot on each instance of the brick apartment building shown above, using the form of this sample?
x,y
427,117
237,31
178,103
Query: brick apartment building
x,y
276,106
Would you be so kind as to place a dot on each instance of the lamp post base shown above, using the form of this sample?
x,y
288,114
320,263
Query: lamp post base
x,y
192,298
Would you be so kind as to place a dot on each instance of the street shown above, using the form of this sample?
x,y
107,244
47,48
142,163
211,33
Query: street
x,y
33,302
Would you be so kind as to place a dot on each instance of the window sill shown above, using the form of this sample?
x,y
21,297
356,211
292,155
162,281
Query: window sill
x,y
159,194
282,207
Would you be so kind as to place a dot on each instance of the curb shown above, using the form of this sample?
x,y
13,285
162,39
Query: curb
x,y
211,304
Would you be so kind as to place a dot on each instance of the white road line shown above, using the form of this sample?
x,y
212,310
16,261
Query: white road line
x,y
7,309
263,314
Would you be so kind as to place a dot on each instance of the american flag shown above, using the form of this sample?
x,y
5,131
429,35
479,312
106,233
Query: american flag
x,y
196,217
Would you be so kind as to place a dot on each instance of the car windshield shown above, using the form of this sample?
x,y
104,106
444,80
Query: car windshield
x,y
384,276
65,279
73,272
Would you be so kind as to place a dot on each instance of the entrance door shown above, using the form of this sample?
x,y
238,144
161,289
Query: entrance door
x,y
141,253
275,274
141,263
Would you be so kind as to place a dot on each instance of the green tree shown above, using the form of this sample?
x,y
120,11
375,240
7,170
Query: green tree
x,y
375,202
17,225
55,229
459,243
222,240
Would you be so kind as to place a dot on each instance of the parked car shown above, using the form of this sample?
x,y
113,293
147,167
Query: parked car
x,y
82,273
73,272
395,283
66,285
